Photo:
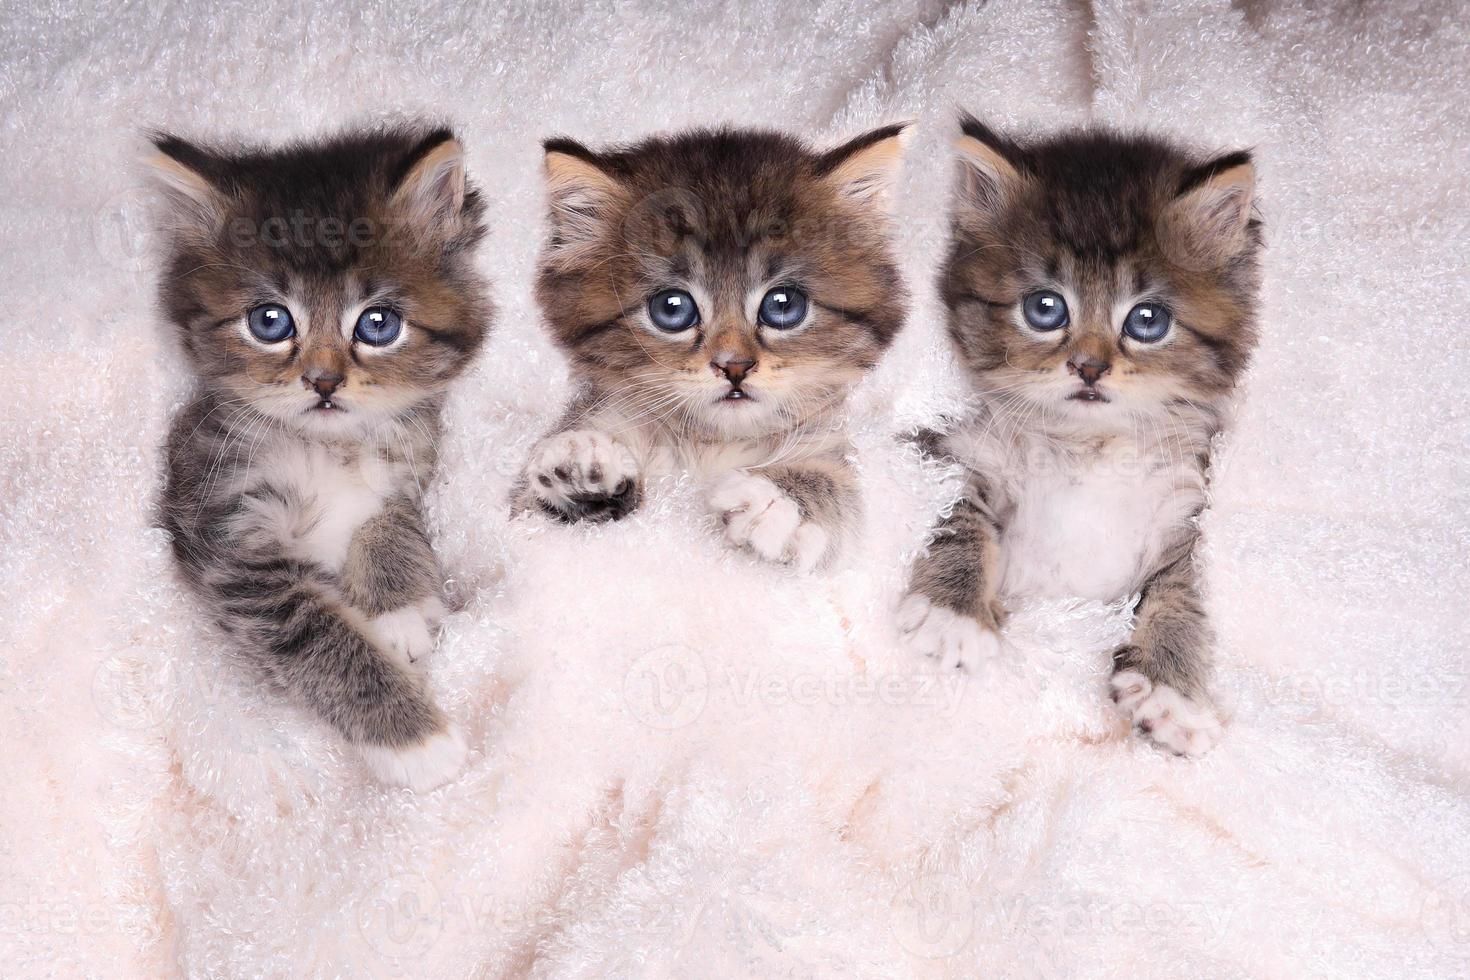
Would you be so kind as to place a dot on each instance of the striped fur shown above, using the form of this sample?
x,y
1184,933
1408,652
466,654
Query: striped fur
x,y
297,519
725,215
1087,450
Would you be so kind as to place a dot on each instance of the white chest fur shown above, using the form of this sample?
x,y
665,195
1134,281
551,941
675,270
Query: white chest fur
x,y
322,495
1086,518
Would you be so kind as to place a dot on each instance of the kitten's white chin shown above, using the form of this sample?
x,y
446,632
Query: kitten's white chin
x,y
743,419
1102,417
336,424
342,422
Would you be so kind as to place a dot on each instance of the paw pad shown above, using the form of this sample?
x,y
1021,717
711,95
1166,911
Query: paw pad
x,y
583,475
1181,724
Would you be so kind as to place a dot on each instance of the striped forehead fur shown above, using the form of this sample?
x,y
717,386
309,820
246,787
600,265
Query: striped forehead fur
x,y
726,209
319,224
1095,211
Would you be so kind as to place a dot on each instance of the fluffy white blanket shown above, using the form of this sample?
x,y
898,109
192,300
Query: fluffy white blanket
x,y
684,764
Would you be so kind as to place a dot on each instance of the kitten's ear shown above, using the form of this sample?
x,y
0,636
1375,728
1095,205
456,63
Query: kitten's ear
x,y
865,167
1207,224
990,165
183,172
430,192
580,193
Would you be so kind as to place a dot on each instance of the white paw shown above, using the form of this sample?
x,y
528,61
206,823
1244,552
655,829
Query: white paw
x,y
952,639
582,474
405,632
422,767
809,545
758,516
433,609
1181,724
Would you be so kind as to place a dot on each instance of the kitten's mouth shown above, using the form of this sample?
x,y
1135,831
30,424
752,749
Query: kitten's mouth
x,y
1087,395
323,406
736,395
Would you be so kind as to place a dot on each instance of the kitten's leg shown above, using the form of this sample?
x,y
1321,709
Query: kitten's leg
x,y
951,612
580,475
1159,676
393,577
316,645
796,514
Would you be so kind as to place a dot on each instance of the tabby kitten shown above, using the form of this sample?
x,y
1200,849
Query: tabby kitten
x,y
325,296
1101,292
719,293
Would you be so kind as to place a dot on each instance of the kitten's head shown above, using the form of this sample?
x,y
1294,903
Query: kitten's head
x,y
728,282
1097,278
328,285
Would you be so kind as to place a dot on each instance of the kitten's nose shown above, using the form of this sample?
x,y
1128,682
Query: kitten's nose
x,y
324,382
1089,369
733,367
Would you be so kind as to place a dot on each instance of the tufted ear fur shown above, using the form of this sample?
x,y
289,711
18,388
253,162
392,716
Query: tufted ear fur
x,y
581,196
430,194
1206,225
188,177
865,167
989,166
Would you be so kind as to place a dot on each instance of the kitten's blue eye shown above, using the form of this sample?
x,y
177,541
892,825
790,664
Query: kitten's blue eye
x,y
673,310
1147,322
1045,310
783,308
378,326
271,323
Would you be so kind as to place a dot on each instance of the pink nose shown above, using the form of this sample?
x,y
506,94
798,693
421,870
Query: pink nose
x,y
323,382
1088,369
733,368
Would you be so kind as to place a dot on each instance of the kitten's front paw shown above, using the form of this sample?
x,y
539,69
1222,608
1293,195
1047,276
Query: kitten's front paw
x,y
583,475
952,639
421,767
758,516
406,632
1181,724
